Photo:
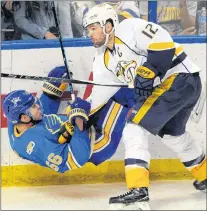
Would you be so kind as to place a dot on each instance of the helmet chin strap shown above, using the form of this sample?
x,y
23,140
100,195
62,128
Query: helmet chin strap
x,y
30,121
28,113
107,35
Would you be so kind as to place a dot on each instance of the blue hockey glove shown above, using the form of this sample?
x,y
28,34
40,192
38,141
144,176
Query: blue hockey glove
x,y
79,108
143,82
126,97
55,89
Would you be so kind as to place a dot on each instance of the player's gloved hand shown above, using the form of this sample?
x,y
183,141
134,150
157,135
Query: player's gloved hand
x,y
143,82
65,133
55,89
79,108
126,97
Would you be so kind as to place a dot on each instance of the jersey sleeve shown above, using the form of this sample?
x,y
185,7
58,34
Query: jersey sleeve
x,y
157,43
50,106
79,149
125,97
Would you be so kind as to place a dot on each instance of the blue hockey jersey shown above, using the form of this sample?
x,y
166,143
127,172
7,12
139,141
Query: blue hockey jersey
x,y
39,144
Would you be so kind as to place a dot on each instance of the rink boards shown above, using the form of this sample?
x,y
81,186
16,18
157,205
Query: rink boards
x,y
38,58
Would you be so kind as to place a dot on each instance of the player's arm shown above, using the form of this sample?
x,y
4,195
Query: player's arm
x,y
79,149
77,116
125,97
76,134
160,49
50,105
80,142
52,91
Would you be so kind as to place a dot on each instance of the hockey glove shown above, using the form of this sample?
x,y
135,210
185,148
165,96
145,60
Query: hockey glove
x,y
65,133
79,108
55,89
126,97
144,80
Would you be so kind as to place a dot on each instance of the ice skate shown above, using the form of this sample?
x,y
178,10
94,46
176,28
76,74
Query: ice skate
x,y
135,199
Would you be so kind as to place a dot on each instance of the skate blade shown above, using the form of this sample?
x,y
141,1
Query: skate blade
x,y
133,206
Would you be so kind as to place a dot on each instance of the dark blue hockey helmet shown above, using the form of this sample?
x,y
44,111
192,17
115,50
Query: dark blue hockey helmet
x,y
18,102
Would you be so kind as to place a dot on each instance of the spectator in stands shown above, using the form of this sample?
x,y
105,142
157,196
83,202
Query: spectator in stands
x,y
35,19
78,9
125,9
130,7
177,17
9,30
201,4
63,9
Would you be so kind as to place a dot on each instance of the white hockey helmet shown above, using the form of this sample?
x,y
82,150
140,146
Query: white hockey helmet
x,y
100,14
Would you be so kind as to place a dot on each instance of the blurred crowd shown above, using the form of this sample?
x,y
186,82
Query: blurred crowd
x,y
24,20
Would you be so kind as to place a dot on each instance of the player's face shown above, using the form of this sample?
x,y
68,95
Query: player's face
x,y
36,112
95,32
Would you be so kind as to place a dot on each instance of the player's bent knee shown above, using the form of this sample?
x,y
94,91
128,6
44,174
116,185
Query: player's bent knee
x,y
77,161
135,135
82,154
135,140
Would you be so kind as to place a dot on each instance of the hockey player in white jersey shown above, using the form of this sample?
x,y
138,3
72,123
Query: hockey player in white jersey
x,y
167,85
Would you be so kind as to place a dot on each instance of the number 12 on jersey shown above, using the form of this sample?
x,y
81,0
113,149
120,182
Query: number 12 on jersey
x,y
149,31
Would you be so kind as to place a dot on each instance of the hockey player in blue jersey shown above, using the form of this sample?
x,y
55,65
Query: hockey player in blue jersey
x,y
64,142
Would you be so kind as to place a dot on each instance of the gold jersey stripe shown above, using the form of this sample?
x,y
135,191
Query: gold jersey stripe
x,y
161,89
162,46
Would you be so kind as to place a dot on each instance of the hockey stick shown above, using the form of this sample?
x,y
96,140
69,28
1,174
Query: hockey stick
x,y
62,80
63,51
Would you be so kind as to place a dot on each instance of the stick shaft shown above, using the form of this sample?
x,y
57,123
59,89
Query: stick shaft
x,y
62,47
63,80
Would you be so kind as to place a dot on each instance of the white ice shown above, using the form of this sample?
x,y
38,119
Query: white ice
x,y
164,195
